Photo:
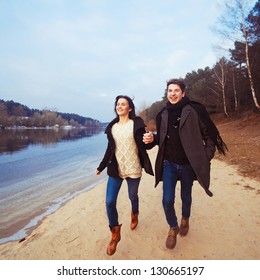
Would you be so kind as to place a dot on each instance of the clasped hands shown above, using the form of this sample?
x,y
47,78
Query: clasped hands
x,y
148,137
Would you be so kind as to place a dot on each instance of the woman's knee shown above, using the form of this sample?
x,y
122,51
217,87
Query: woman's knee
x,y
110,203
133,196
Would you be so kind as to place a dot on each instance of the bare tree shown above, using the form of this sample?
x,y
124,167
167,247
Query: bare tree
x,y
234,86
19,111
220,73
3,115
233,26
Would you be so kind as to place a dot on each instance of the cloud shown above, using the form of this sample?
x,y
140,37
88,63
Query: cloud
x,y
78,55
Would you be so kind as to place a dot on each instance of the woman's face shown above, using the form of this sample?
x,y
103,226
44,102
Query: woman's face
x,y
122,107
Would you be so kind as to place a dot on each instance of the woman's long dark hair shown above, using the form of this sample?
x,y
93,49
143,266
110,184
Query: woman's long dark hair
x,y
132,114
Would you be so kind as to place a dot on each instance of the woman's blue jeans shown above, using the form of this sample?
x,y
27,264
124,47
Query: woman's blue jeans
x,y
172,172
113,188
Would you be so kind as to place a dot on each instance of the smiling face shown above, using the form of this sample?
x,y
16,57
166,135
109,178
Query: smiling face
x,y
122,107
174,93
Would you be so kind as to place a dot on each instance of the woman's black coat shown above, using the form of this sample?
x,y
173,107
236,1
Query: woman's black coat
x,y
109,159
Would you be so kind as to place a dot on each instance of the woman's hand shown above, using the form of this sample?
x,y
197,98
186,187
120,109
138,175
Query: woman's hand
x,y
148,137
97,172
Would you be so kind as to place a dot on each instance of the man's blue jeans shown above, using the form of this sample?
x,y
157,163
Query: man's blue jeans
x,y
172,172
113,188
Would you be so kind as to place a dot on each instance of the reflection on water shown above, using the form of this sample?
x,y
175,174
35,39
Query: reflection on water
x,y
15,140
37,180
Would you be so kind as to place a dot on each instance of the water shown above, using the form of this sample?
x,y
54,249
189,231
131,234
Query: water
x,y
38,176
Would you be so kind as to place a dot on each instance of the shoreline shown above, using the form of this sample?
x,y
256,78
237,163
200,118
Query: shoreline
x,y
21,229
79,229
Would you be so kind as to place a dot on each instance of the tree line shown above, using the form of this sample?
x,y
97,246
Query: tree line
x,y
13,114
232,85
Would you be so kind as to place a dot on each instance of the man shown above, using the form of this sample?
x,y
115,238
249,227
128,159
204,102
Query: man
x,y
187,138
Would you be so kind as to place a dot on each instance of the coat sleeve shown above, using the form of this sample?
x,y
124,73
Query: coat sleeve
x,y
103,164
139,133
156,136
208,142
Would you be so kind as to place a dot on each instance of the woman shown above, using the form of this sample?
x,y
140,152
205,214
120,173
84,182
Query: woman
x,y
124,158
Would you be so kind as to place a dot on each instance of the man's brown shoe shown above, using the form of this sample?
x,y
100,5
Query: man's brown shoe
x,y
184,228
172,237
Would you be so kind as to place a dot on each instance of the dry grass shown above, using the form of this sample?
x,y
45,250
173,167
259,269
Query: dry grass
x,y
243,139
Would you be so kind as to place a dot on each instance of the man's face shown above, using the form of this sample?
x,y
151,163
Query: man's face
x,y
174,93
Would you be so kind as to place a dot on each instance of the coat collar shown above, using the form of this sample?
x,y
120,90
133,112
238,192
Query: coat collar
x,y
138,123
184,114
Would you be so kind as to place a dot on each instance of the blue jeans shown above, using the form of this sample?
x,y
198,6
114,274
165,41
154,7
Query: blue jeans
x,y
113,188
172,172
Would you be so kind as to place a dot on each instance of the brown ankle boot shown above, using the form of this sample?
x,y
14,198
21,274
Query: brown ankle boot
x,y
116,237
172,237
134,220
184,228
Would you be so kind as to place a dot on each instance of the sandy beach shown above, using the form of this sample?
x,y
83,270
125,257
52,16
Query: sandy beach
x,y
224,227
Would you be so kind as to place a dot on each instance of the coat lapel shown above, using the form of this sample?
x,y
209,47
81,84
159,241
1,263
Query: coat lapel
x,y
185,112
164,126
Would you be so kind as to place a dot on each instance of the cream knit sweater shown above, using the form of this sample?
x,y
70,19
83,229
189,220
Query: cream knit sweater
x,y
126,150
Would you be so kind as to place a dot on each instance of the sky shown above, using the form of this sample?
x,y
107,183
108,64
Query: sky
x,y
77,56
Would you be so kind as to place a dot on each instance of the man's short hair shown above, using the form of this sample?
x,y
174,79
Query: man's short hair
x,y
178,82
